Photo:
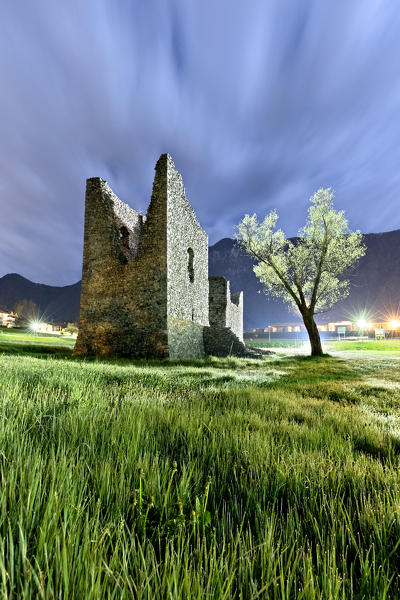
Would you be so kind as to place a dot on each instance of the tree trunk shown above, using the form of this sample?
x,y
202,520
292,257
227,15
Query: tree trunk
x,y
313,334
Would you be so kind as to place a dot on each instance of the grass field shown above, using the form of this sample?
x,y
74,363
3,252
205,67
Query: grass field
x,y
332,345
388,345
20,341
265,343
220,478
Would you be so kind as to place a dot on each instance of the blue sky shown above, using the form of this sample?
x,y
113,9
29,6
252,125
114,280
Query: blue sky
x,y
260,102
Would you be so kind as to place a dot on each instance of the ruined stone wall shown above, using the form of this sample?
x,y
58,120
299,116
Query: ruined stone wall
x,y
224,336
187,273
235,314
225,310
221,341
124,276
130,224
145,286
218,300
145,279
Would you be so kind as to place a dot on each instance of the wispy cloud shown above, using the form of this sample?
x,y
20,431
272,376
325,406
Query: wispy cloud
x,y
259,103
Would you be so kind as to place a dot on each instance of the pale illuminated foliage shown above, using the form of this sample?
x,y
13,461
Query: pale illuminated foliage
x,y
305,272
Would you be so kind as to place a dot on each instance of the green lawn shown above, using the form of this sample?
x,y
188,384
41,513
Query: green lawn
x,y
266,343
331,345
22,341
387,345
220,478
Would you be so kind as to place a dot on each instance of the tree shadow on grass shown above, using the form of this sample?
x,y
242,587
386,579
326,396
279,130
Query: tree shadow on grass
x,y
44,351
34,349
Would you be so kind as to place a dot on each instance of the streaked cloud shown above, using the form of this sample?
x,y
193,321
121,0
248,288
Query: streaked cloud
x,y
259,103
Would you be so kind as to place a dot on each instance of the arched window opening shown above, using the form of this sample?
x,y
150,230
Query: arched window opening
x,y
124,237
190,265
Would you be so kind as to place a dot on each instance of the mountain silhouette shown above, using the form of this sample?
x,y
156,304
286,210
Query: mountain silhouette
x,y
55,304
374,287
374,283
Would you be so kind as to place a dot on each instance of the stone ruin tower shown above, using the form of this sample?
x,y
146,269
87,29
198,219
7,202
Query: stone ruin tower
x,y
145,285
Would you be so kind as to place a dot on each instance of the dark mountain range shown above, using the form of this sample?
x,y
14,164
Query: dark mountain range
x,y
375,287
55,304
374,283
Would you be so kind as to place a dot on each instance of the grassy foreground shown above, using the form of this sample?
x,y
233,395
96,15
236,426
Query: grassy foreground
x,y
331,345
212,479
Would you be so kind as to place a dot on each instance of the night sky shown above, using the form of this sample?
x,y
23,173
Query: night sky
x,y
259,102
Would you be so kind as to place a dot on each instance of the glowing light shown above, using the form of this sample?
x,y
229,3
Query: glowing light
x,y
394,324
35,326
362,324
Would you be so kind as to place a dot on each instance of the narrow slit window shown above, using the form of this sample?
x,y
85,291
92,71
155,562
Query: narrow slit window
x,y
124,237
190,265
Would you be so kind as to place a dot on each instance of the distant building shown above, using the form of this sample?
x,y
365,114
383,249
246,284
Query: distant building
x,y
335,325
7,318
390,326
294,327
48,328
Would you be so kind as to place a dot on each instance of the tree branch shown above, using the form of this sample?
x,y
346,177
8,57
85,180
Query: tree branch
x,y
269,262
324,250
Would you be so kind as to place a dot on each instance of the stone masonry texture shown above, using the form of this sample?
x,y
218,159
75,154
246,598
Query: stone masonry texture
x,y
145,286
225,310
224,336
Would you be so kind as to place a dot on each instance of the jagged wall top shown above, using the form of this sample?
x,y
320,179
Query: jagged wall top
x,y
145,289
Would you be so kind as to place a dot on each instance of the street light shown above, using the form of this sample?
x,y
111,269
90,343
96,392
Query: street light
x,y
35,326
363,324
